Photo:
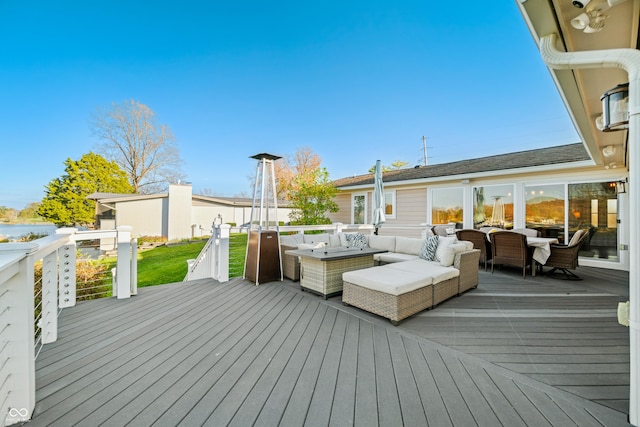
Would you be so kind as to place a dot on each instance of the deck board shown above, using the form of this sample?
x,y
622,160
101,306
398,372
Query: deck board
x,y
205,353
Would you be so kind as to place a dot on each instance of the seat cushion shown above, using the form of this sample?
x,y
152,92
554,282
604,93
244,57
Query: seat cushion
x,y
408,245
433,269
316,238
292,239
388,280
388,257
385,243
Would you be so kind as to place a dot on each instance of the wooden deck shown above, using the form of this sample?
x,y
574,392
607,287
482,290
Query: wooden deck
x,y
512,352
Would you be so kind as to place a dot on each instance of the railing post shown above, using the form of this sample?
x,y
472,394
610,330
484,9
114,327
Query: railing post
x,y
49,304
210,256
339,227
123,264
19,347
222,253
67,275
134,266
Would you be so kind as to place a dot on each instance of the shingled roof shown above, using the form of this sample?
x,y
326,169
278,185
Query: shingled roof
x,y
522,159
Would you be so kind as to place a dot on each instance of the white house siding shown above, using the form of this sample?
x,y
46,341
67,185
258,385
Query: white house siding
x,y
147,216
179,211
203,215
344,208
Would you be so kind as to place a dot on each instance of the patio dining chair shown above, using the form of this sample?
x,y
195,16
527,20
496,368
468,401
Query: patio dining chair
x,y
479,240
441,230
565,257
509,248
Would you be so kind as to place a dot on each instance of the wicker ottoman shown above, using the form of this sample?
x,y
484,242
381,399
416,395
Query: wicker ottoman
x,y
443,279
388,292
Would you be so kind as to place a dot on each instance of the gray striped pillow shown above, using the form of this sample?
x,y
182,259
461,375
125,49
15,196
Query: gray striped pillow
x,y
429,247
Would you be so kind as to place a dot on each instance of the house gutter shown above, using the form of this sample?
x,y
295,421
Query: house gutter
x,y
629,60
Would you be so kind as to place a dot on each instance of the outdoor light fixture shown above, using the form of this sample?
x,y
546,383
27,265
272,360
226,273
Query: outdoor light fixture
x,y
592,19
621,186
615,109
609,151
590,22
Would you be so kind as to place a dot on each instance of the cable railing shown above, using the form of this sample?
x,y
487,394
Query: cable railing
x,y
37,280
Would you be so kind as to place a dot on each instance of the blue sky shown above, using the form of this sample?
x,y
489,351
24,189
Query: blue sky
x,y
355,81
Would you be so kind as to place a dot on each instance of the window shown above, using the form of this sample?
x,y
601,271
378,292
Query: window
x,y
446,205
545,209
390,204
493,206
359,209
593,207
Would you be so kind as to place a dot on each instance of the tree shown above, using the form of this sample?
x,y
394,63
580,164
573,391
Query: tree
x,y
66,203
291,170
312,196
30,212
8,214
397,164
145,150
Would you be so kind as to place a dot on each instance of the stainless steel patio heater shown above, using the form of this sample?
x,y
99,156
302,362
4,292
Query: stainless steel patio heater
x,y
263,262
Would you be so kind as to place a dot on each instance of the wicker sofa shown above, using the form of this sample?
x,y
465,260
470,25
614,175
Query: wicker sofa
x,y
397,289
398,248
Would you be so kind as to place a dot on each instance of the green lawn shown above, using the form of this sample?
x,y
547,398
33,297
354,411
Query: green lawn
x,y
168,264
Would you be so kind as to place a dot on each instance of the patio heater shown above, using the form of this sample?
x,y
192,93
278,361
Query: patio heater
x,y
263,261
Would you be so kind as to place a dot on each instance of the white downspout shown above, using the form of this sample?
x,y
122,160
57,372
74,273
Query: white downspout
x,y
629,60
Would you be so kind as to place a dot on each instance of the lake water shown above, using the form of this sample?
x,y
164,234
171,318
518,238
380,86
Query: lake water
x,y
15,231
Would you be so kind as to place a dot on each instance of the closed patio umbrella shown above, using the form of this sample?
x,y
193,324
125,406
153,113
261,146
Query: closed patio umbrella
x,y
377,218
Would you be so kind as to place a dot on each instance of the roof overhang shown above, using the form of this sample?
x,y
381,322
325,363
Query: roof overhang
x,y
581,89
478,175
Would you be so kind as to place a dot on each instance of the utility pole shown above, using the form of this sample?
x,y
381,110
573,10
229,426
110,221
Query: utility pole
x,y
424,150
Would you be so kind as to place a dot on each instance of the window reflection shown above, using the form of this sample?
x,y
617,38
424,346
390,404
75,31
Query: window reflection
x,y
359,212
446,205
493,206
594,208
545,209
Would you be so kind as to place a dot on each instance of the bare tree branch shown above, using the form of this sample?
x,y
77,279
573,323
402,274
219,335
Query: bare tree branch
x,y
147,151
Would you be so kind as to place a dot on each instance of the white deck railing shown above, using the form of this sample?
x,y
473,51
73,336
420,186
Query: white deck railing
x,y
213,260
17,333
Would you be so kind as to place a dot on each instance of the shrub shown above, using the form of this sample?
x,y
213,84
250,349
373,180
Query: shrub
x,y
151,239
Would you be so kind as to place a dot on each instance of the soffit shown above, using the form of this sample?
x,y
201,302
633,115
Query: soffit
x,y
581,89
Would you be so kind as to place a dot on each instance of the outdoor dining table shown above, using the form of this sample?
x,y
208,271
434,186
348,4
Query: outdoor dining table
x,y
541,251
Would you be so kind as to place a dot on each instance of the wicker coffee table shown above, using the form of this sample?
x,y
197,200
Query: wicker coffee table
x,y
321,269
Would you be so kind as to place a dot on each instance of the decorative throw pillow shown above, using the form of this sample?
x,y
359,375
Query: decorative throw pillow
x,y
429,247
442,252
447,256
357,240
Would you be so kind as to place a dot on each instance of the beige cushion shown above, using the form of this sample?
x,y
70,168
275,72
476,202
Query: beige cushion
x,y
387,280
443,247
576,237
448,253
316,238
387,257
437,272
408,245
385,243
292,239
